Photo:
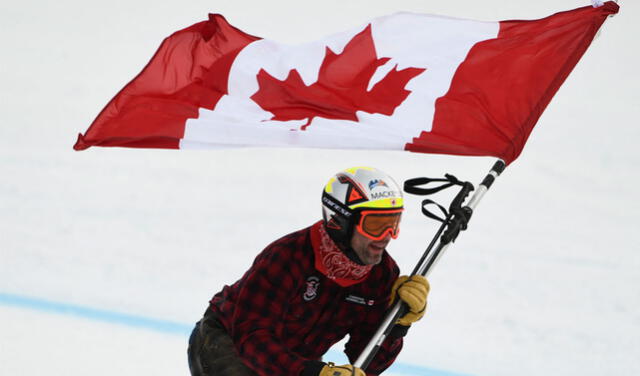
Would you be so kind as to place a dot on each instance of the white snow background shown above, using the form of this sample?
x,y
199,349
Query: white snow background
x,y
94,245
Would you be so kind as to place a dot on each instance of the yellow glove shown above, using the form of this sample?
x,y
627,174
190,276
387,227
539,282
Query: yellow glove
x,y
346,370
413,291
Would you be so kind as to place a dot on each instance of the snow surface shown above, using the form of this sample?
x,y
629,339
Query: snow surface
x,y
96,245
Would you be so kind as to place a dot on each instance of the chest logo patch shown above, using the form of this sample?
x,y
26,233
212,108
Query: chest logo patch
x,y
360,300
312,288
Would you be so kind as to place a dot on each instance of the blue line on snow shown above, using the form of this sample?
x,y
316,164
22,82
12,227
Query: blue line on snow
x,y
42,305
163,326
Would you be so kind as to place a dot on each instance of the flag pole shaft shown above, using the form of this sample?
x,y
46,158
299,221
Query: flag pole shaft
x,y
424,267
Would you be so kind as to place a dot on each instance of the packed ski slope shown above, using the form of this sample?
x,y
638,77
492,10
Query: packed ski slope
x,y
108,256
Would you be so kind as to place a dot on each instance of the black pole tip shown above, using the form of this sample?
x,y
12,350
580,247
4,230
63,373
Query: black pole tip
x,y
499,166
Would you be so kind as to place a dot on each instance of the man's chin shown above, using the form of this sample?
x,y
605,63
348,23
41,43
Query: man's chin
x,y
374,256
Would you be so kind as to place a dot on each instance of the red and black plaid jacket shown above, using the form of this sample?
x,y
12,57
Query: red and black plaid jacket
x,y
283,314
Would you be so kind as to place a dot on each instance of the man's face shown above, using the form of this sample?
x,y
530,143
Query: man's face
x,y
369,251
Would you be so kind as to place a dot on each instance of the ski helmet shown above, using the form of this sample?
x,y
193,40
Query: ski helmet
x,y
362,198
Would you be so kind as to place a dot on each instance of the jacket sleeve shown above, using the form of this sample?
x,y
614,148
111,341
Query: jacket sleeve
x,y
386,354
364,331
261,304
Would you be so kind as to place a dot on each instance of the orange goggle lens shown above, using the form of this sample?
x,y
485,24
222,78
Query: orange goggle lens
x,y
376,224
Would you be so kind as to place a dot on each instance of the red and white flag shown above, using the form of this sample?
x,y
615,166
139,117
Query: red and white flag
x,y
406,81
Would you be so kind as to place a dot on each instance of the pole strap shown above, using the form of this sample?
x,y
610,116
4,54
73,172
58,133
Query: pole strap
x,y
457,217
412,185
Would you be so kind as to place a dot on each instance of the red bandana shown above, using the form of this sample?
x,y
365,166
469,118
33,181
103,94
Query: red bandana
x,y
332,262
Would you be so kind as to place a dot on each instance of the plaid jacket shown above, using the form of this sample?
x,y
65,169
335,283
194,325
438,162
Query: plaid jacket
x,y
283,314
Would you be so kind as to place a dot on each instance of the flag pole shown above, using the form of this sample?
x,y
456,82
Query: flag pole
x,y
446,233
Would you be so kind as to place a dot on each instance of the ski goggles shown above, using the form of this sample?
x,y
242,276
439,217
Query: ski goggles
x,y
376,224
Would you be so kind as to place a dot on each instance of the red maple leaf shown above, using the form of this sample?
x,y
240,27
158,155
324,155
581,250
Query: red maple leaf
x,y
341,89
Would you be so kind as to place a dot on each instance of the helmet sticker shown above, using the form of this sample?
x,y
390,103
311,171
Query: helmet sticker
x,y
355,195
385,194
377,183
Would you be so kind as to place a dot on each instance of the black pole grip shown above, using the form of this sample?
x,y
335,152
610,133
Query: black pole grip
x,y
460,215
461,196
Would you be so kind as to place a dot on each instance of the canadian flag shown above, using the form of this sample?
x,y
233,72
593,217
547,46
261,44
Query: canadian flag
x,y
406,81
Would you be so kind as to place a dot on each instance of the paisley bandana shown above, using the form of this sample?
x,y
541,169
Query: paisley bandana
x,y
332,262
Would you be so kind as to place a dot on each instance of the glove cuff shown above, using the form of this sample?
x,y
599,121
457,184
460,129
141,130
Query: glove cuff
x,y
312,368
399,331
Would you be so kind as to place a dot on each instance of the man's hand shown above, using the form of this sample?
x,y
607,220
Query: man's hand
x,y
345,370
413,291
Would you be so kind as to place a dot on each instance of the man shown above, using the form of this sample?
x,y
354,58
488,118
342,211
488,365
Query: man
x,y
309,289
